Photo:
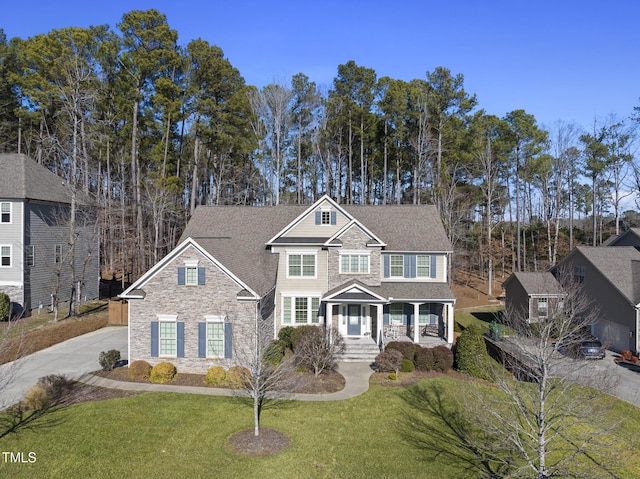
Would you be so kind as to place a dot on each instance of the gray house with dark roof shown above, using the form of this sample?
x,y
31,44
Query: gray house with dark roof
x,y
610,277
35,237
373,273
533,296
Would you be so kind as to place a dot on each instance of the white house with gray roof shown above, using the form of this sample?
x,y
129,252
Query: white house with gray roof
x,y
35,261
373,273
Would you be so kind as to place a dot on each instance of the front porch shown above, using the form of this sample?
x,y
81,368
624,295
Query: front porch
x,y
365,349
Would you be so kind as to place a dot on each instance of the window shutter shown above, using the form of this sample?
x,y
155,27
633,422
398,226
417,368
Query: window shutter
x,y
432,268
387,265
201,276
333,217
155,338
180,338
228,339
181,275
407,313
318,217
409,265
202,340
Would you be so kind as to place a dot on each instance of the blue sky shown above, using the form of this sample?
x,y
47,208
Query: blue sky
x,y
576,61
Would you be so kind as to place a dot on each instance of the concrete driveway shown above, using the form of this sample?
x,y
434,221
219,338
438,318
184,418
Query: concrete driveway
x,y
612,378
72,358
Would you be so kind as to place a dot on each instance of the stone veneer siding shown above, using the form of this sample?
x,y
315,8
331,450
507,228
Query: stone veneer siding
x,y
191,304
354,239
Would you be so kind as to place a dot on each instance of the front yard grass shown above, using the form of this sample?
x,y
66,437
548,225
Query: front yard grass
x,y
184,435
480,315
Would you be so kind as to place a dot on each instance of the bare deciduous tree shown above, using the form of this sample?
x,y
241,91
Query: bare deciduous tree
x,y
318,349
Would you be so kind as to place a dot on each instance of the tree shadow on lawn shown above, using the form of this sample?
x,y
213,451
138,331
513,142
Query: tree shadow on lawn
x,y
438,425
488,316
17,418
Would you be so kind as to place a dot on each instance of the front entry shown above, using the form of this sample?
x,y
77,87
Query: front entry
x,y
354,320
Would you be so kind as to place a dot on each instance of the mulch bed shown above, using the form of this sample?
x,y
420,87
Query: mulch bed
x,y
268,442
327,382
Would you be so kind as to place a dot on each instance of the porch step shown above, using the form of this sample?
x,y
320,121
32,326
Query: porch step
x,y
360,351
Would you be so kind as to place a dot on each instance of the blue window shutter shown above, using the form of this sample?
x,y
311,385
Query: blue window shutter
x,y
333,217
202,340
228,339
387,265
318,217
155,338
407,313
201,276
432,268
180,342
181,271
409,265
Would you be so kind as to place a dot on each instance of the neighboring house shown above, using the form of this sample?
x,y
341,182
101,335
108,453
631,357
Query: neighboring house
x,y
533,296
610,276
35,261
373,273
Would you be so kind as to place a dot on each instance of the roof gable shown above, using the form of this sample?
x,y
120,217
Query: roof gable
x,y
136,290
534,283
309,226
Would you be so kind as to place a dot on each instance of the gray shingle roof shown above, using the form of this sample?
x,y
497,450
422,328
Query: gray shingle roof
x,y
237,235
537,282
23,178
618,264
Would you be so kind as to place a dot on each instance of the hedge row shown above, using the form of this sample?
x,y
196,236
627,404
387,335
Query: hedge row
x,y
438,358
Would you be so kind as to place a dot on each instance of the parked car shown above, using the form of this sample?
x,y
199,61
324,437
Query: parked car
x,y
590,349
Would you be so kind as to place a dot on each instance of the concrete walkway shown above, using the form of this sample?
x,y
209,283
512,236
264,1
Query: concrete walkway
x,y
356,376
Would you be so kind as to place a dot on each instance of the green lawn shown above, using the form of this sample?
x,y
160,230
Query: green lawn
x,y
181,435
481,316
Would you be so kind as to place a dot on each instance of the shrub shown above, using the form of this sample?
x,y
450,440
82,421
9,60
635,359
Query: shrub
x,y
442,359
299,332
424,359
389,360
139,370
393,376
407,349
275,352
47,392
471,355
162,372
284,335
406,366
108,359
5,305
316,349
215,375
237,376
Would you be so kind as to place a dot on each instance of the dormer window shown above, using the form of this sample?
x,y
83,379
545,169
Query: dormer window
x,y
326,217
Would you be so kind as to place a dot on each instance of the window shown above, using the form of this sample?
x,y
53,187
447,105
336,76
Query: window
x,y
5,212
354,264
423,266
578,274
326,218
168,338
191,275
29,255
302,265
425,316
543,307
300,309
395,313
58,254
215,339
5,256
397,265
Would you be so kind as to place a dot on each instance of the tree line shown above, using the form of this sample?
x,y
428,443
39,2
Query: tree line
x,y
152,129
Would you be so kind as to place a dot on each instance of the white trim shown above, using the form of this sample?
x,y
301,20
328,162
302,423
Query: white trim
x,y
215,318
302,253
306,213
167,317
355,222
191,263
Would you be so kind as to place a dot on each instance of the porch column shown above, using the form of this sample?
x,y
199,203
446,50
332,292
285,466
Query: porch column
x,y
416,316
448,309
380,329
328,318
